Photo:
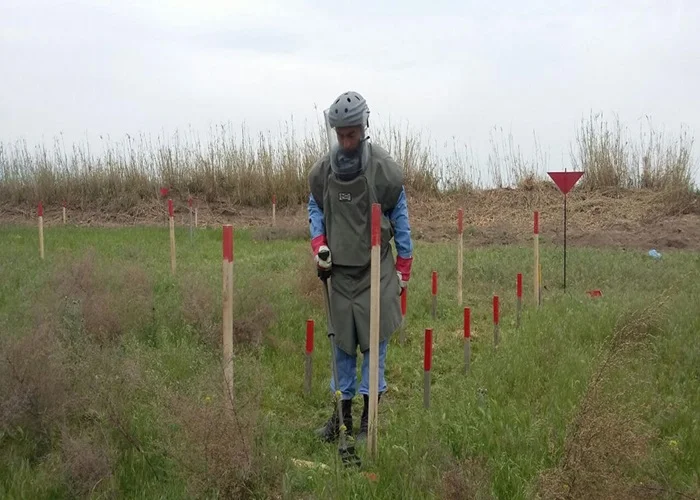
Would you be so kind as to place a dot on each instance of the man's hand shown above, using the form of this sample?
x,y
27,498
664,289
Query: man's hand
x,y
402,284
403,271
323,258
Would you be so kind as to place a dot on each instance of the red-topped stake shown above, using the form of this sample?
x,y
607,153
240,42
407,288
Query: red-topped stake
x,y
496,330
434,294
227,276
404,305
565,181
427,365
519,295
375,284
467,338
536,274
228,243
309,351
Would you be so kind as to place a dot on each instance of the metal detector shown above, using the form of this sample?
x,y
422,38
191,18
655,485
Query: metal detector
x,y
346,451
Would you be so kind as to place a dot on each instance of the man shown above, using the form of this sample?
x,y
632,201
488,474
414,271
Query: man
x,y
344,183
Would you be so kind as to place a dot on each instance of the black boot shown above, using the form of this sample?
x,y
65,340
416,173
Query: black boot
x,y
362,436
331,431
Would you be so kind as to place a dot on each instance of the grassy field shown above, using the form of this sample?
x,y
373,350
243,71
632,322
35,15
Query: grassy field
x,y
111,386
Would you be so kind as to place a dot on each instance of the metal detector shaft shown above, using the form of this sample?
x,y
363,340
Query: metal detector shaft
x,y
347,454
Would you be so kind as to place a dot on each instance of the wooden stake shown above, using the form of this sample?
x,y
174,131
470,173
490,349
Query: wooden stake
x,y
40,212
274,209
434,294
309,351
519,294
496,329
64,212
404,300
537,258
460,250
227,275
195,218
374,331
172,236
427,365
467,339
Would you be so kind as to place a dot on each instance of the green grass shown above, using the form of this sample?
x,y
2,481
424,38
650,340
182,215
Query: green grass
x,y
133,392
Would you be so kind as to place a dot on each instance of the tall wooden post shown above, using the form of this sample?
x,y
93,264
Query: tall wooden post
x,y
375,291
227,275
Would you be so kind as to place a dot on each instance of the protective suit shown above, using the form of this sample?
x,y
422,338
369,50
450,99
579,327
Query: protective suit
x,y
347,207
344,184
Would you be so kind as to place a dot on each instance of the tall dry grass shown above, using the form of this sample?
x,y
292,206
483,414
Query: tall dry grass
x,y
232,166
610,158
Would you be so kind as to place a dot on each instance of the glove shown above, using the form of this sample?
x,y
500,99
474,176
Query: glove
x,y
322,256
403,271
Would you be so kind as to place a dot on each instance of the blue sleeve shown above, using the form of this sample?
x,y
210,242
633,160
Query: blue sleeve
x,y
316,224
402,228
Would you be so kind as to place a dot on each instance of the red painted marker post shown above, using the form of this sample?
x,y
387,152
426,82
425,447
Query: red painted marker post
x,y
40,213
496,330
427,365
467,339
171,214
434,293
536,280
460,250
404,304
227,275
309,351
374,330
519,294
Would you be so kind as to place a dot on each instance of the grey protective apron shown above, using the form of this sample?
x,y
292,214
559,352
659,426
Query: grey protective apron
x,y
348,219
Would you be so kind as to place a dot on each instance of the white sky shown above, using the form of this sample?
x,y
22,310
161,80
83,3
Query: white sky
x,y
446,68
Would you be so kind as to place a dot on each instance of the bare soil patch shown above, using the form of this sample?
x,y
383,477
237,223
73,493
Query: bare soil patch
x,y
635,219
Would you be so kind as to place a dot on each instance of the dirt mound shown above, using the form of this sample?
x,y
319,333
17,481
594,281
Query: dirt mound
x,y
637,219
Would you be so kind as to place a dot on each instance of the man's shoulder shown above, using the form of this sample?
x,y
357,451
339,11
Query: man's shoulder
x,y
390,168
380,153
320,165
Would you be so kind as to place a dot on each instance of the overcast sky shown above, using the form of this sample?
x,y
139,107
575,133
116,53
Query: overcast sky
x,y
447,68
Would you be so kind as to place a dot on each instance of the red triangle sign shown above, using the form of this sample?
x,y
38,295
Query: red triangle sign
x,y
565,180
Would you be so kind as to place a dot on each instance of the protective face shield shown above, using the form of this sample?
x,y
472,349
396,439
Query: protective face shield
x,y
332,138
346,166
348,110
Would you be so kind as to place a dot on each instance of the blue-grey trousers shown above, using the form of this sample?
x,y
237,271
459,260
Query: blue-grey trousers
x,y
347,372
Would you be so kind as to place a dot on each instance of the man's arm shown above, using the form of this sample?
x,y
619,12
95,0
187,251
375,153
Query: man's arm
x,y
317,226
402,236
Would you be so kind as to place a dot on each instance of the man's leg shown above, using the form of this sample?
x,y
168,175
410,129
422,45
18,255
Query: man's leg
x,y
347,381
364,386
347,373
